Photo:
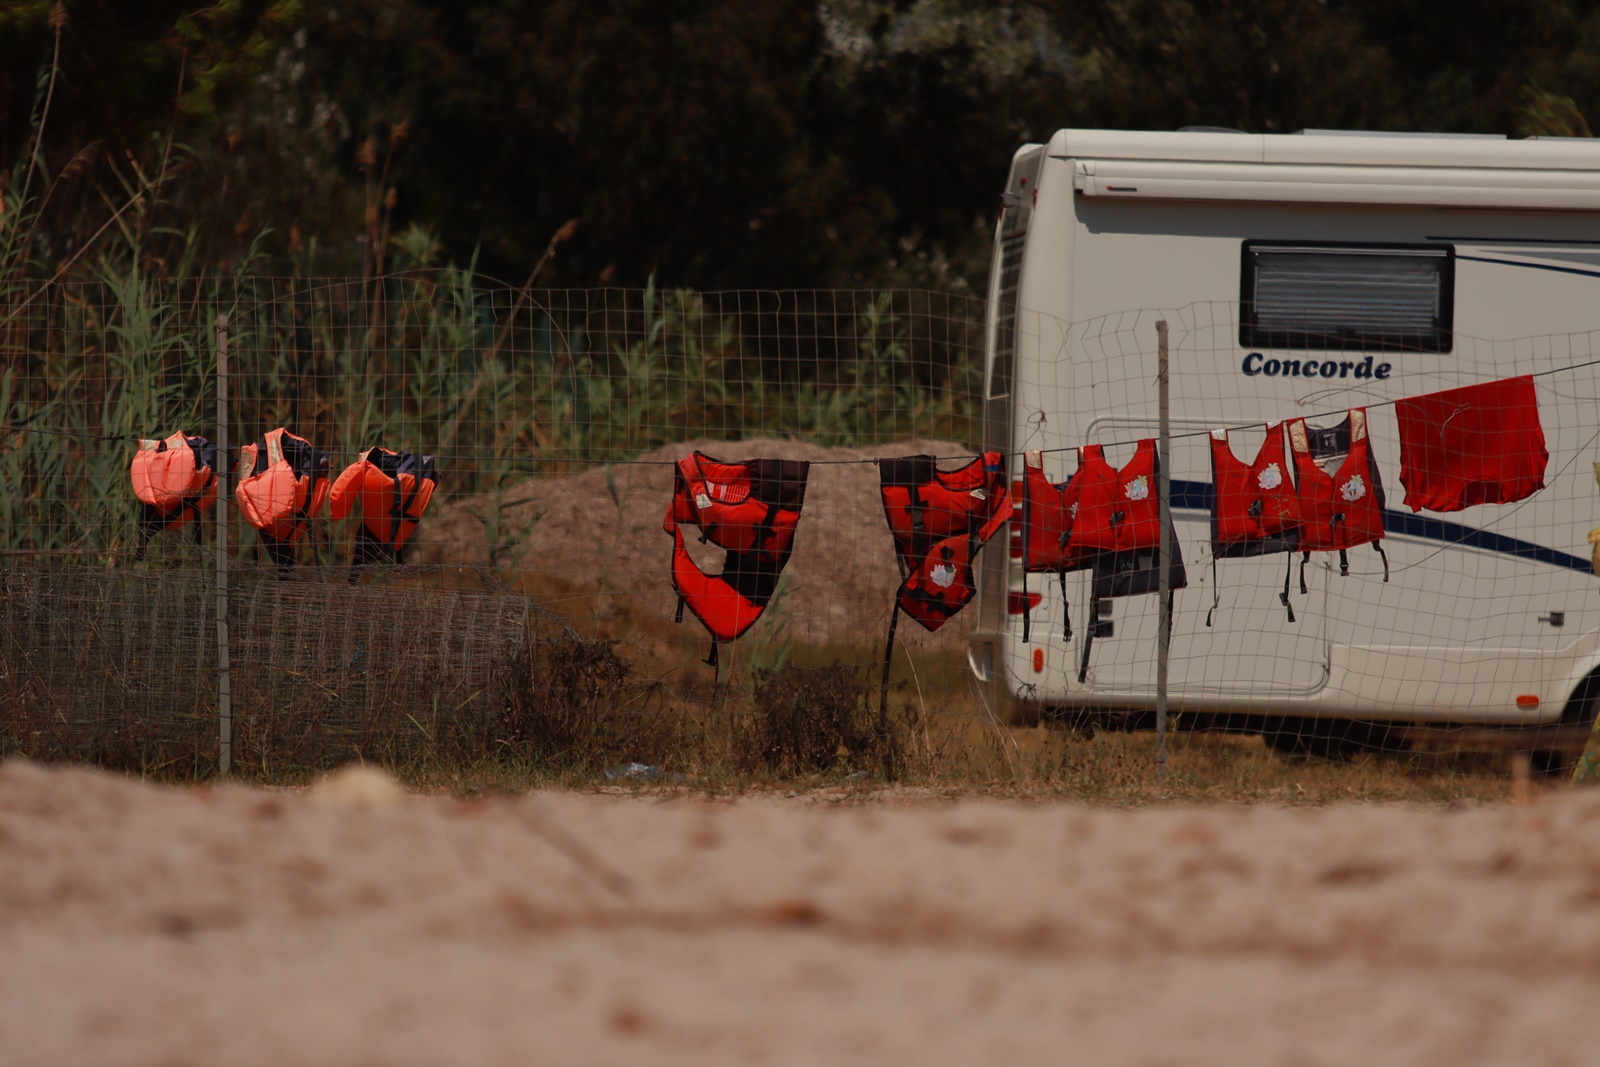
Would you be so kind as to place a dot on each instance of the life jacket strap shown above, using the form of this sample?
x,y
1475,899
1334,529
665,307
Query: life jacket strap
x,y
915,508
678,615
1027,605
1216,590
1088,639
883,685
1066,609
1344,564
1379,546
1283,597
1305,557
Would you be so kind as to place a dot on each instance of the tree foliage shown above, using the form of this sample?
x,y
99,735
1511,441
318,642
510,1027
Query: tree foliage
x,y
714,143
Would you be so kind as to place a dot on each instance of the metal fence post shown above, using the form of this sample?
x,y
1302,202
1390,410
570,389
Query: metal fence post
x,y
1164,558
224,682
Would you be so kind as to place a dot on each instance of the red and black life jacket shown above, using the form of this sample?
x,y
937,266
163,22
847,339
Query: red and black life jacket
x,y
283,484
751,510
940,519
1255,510
1341,510
1118,531
1047,513
393,489
174,481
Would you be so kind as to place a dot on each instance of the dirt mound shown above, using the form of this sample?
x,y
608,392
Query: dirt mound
x,y
600,531
144,925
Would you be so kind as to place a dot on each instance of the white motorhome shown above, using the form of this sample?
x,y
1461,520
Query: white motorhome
x,y
1406,264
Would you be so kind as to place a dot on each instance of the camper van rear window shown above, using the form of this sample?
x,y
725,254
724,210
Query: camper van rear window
x,y
1371,298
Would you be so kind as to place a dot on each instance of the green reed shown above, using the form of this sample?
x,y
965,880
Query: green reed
x,y
503,386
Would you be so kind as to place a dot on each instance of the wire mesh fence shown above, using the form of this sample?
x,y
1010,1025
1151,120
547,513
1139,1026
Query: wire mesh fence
x,y
530,613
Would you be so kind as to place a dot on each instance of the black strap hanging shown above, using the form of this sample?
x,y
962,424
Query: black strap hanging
x,y
1216,590
884,737
1379,546
1088,639
1066,608
1283,597
1305,557
1027,603
888,652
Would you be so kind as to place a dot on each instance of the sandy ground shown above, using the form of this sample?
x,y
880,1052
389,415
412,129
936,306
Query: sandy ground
x,y
144,925
842,575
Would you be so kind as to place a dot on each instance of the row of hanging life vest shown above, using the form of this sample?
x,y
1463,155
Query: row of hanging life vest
x,y
283,483
1107,520
751,509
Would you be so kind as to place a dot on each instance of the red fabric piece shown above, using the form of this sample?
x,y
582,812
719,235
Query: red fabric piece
x,y
1481,444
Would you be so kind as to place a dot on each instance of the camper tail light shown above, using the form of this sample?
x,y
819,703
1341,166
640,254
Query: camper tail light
x,y
1017,603
1527,700
1038,661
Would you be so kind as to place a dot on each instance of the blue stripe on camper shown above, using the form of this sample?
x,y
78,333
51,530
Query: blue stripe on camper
x,y
1196,496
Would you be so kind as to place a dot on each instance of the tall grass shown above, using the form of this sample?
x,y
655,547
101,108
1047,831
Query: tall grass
x,y
502,385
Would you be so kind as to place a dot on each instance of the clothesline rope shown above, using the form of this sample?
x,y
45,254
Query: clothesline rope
x,y
462,457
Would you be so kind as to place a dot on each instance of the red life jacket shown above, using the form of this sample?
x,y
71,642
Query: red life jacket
x,y
283,484
174,481
1048,510
939,520
1481,444
393,489
1047,513
1118,528
1340,510
1254,503
751,510
1118,510
1255,511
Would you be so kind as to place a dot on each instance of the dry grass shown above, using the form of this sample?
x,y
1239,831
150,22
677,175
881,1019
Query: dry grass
x,y
574,702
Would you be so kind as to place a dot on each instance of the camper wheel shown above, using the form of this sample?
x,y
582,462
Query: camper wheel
x,y
1330,739
1581,709
1308,738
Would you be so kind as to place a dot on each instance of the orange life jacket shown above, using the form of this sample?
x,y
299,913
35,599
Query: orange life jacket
x,y
283,484
174,481
751,510
1255,511
940,519
1340,510
1047,513
393,489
